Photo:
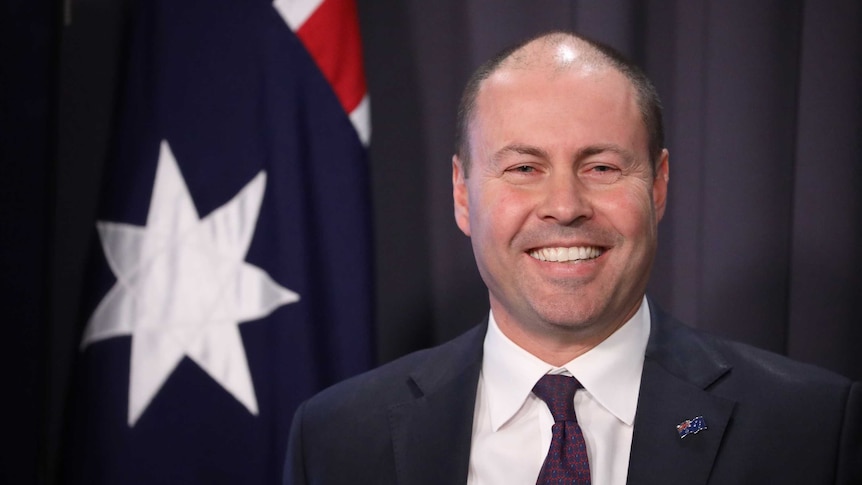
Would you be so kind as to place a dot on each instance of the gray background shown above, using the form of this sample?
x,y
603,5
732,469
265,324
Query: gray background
x,y
763,113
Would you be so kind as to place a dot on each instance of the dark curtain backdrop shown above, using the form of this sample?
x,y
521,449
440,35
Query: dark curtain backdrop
x,y
762,241
763,111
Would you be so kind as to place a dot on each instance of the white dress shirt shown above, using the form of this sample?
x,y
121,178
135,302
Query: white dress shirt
x,y
512,427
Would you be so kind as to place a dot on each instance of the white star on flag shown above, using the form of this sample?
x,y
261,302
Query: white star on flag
x,y
183,287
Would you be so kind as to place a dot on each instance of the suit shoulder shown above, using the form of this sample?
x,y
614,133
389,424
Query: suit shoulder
x,y
779,366
399,379
745,363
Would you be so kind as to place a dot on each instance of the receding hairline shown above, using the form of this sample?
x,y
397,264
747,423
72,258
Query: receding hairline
x,y
562,51
559,51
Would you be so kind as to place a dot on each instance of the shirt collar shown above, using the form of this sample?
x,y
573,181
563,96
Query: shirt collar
x,y
610,372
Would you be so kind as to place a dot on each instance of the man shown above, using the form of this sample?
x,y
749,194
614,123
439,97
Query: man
x,y
560,181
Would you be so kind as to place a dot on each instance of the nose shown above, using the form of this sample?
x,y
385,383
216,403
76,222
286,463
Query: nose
x,y
564,200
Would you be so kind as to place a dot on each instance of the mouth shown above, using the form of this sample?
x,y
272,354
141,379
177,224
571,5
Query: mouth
x,y
567,255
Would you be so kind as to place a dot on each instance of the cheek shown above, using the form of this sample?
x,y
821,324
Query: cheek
x,y
630,211
502,213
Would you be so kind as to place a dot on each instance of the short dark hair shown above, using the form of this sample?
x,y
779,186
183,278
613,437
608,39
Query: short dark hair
x,y
647,96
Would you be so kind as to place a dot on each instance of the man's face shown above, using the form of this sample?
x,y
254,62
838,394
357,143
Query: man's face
x,y
560,201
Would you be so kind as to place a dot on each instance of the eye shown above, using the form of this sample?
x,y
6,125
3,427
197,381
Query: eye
x,y
523,173
523,169
601,173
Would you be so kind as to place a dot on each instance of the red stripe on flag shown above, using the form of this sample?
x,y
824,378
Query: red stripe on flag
x,y
331,35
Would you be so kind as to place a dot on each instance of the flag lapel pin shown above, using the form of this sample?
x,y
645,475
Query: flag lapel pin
x,y
691,426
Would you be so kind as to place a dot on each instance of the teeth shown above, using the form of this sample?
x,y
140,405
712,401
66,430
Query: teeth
x,y
563,255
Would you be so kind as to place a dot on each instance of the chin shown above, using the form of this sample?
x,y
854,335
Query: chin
x,y
567,316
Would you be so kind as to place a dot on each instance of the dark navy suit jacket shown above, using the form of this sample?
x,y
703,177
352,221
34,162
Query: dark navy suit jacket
x,y
769,420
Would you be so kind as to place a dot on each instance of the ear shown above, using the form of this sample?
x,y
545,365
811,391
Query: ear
x,y
659,185
460,196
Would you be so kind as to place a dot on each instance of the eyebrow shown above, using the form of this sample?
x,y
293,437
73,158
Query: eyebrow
x,y
601,148
587,151
520,149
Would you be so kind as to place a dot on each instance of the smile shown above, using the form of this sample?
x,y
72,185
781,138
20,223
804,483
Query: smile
x,y
563,255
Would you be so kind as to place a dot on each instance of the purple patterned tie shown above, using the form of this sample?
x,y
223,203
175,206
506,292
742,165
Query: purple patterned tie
x,y
567,461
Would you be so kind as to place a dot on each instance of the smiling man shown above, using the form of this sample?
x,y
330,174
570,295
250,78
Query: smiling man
x,y
558,190
560,180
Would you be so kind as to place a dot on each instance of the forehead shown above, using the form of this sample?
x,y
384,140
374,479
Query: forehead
x,y
546,102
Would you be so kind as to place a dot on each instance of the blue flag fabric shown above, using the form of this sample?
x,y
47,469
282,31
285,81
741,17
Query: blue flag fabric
x,y
233,274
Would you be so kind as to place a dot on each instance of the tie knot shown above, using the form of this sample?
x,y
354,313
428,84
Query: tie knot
x,y
558,392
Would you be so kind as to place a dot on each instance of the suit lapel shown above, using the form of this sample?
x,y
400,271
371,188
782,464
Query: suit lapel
x,y
659,455
678,370
431,434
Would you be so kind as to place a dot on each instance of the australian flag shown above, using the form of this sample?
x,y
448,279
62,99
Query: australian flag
x,y
691,426
232,277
